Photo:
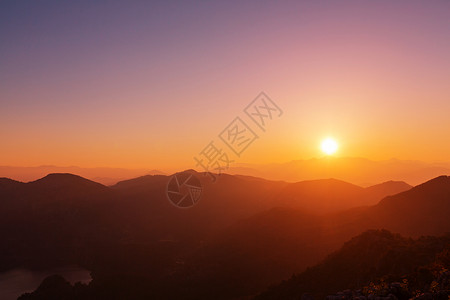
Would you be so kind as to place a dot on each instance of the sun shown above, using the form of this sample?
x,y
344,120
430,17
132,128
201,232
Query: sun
x,y
329,146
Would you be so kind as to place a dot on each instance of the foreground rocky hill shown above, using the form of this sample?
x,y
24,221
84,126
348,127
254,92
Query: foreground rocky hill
x,y
375,265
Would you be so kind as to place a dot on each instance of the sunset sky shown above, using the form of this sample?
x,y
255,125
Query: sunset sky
x,y
150,83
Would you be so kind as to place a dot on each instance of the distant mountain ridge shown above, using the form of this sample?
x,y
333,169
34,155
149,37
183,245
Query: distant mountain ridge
x,y
360,171
106,176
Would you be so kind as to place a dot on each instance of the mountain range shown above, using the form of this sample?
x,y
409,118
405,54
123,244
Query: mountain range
x,y
106,176
360,171
244,234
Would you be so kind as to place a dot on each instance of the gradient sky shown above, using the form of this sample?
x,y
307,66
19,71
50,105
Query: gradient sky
x,y
150,84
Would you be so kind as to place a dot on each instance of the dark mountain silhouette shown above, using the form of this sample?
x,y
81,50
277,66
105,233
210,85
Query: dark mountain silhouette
x,y
322,196
286,240
331,195
6,183
66,187
134,240
8,187
52,188
52,288
222,203
379,191
106,176
229,199
57,219
42,220
423,210
363,259
65,181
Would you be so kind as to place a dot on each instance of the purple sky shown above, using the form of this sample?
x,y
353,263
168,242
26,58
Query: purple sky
x,y
149,84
